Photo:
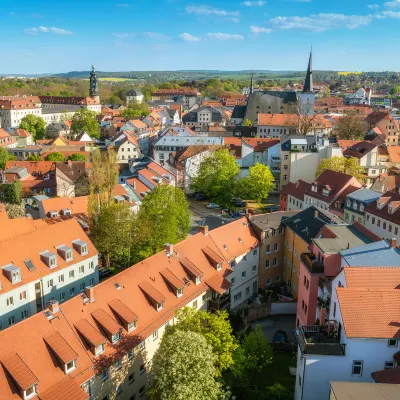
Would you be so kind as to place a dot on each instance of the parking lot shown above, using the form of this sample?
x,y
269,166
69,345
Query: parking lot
x,y
274,323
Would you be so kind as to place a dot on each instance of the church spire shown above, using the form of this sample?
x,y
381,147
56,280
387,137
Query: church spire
x,y
251,84
308,84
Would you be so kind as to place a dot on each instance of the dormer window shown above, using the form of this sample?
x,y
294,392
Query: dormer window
x,y
325,192
198,280
66,211
132,326
80,246
354,206
361,207
219,266
314,187
30,392
12,273
160,306
65,252
49,259
116,337
179,292
69,367
53,214
99,349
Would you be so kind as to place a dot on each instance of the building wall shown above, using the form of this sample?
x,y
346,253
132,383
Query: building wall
x,y
63,288
294,204
303,166
64,188
243,287
271,271
386,230
126,151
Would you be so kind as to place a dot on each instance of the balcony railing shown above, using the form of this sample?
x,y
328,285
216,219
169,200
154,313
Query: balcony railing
x,y
221,303
311,263
315,339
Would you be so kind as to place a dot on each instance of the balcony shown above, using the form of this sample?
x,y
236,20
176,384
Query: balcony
x,y
275,170
321,303
220,303
311,263
323,340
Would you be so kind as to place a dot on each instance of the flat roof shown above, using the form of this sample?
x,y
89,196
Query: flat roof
x,y
364,391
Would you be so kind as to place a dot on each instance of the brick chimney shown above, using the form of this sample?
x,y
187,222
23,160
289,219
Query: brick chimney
x,y
53,306
393,243
169,249
204,230
69,163
316,214
89,292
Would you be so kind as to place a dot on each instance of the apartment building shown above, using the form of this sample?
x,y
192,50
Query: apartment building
x,y
300,229
357,202
52,262
294,195
271,234
100,344
126,146
360,340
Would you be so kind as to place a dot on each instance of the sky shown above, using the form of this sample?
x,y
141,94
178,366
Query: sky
x,y
44,36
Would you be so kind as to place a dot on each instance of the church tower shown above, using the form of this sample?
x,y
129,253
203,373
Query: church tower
x,y
307,96
94,91
251,85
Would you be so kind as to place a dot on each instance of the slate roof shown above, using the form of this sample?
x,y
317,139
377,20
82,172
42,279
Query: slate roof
x,y
364,195
239,112
265,222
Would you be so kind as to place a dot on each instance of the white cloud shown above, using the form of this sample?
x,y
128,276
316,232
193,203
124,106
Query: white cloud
x,y
234,19
156,35
392,4
189,38
224,36
45,29
122,35
207,10
321,22
259,29
373,6
122,5
391,14
253,3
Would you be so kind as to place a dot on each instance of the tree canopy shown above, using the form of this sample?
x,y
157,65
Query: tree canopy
x,y
135,110
349,166
183,369
35,125
350,126
11,192
85,121
217,177
246,122
257,184
217,330
4,157
76,157
55,156
34,157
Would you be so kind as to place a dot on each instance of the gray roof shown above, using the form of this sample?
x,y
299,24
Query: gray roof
x,y
272,220
364,195
40,197
347,237
365,391
239,112
60,109
22,172
378,254
135,92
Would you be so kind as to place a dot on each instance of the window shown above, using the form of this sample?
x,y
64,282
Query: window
x,y
155,335
194,305
11,321
82,285
254,269
142,391
131,354
204,298
237,296
384,225
367,217
142,369
276,247
118,390
50,283
91,264
266,264
71,274
278,278
334,309
62,296
268,249
117,365
72,291
61,278
22,295
244,258
233,263
348,203
99,349
70,366
179,292
389,364
24,314
131,378
254,253
243,275
30,392
379,222
275,262
357,368
373,220
81,269
361,208
247,291
392,343
268,281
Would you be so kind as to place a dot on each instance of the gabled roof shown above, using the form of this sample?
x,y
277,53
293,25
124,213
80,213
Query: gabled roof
x,y
297,189
359,150
388,200
394,154
261,144
377,116
372,277
60,347
77,205
123,311
107,323
19,371
387,376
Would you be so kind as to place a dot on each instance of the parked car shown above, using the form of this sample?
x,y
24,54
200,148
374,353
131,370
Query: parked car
x,y
242,213
280,337
270,209
235,215
239,202
212,205
225,211
200,196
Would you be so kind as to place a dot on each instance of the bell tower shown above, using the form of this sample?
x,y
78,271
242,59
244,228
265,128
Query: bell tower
x,y
307,96
94,91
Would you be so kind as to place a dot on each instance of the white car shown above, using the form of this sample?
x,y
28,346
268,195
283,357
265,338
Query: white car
x,y
212,205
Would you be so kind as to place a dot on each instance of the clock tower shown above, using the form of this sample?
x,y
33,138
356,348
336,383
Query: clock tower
x,y
94,91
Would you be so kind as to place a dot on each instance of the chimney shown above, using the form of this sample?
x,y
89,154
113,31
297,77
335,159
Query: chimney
x,y
169,249
53,306
89,292
204,230
393,243
316,214
69,163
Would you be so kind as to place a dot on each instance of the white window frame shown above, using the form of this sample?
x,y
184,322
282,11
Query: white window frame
x,y
357,364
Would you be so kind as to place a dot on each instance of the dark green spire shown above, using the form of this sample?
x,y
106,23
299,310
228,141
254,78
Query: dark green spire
x,y
308,84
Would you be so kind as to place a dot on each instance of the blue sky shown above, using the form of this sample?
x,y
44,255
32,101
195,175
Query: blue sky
x,y
44,36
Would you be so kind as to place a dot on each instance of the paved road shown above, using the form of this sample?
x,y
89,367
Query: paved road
x,y
271,324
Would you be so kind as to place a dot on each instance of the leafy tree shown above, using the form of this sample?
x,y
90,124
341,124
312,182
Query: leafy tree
x,y
215,328
4,157
350,126
34,157
246,122
14,210
137,109
35,125
257,185
76,157
129,114
163,217
217,177
183,369
11,192
56,156
349,166
85,121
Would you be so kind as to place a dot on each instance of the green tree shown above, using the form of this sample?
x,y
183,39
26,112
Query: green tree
x,y
4,157
247,122
11,192
257,185
183,369
217,177
350,127
129,114
56,156
217,330
34,157
35,125
163,217
85,121
138,109
76,157
14,210
349,166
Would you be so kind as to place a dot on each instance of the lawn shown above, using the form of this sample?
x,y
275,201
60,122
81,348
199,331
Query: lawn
x,y
278,371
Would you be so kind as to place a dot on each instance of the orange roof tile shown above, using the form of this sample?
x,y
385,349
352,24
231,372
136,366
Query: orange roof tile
x,y
106,321
152,292
89,332
64,389
175,282
77,205
373,278
19,371
370,314
219,284
394,154
123,311
61,348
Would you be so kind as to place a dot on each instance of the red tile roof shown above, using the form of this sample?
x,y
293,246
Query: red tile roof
x,y
394,154
386,201
297,189
60,347
261,144
359,150
390,375
19,371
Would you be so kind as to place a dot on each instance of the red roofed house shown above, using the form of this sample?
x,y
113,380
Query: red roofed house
x,y
295,194
7,140
387,125
126,146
